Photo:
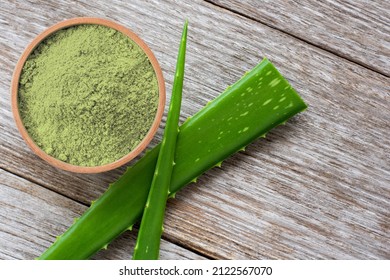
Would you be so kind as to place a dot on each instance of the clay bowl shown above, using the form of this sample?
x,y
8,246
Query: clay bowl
x,y
14,96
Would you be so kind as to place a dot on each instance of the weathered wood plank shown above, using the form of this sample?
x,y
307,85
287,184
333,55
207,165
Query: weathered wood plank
x,y
356,30
31,216
315,188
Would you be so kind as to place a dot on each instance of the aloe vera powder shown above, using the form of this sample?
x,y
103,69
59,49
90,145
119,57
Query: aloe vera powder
x,y
88,95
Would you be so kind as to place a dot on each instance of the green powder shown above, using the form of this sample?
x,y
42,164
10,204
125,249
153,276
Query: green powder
x,y
88,95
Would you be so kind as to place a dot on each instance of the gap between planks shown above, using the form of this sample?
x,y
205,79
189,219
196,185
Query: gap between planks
x,y
296,37
31,180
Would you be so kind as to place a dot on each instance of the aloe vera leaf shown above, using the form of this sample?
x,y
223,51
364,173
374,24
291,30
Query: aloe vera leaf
x,y
261,100
149,235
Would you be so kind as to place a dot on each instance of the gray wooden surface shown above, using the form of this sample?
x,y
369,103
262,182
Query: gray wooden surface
x,y
316,188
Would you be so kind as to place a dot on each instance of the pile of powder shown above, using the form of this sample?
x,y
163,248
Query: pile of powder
x,y
88,95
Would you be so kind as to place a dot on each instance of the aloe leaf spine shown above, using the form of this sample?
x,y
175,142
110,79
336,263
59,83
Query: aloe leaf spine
x,y
261,100
148,241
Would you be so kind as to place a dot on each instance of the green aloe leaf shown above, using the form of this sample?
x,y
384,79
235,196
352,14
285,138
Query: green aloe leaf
x,y
149,235
261,100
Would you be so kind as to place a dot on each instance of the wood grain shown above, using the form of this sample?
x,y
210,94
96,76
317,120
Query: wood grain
x,y
356,30
316,188
31,217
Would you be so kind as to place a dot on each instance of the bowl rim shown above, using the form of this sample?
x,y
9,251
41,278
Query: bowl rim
x,y
15,88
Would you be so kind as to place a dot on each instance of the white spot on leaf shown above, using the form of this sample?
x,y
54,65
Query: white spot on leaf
x,y
267,101
274,82
282,99
289,105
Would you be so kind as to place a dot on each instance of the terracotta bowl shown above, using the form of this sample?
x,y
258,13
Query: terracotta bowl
x,y
15,84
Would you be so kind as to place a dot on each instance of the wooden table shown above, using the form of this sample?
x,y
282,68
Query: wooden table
x,y
317,188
